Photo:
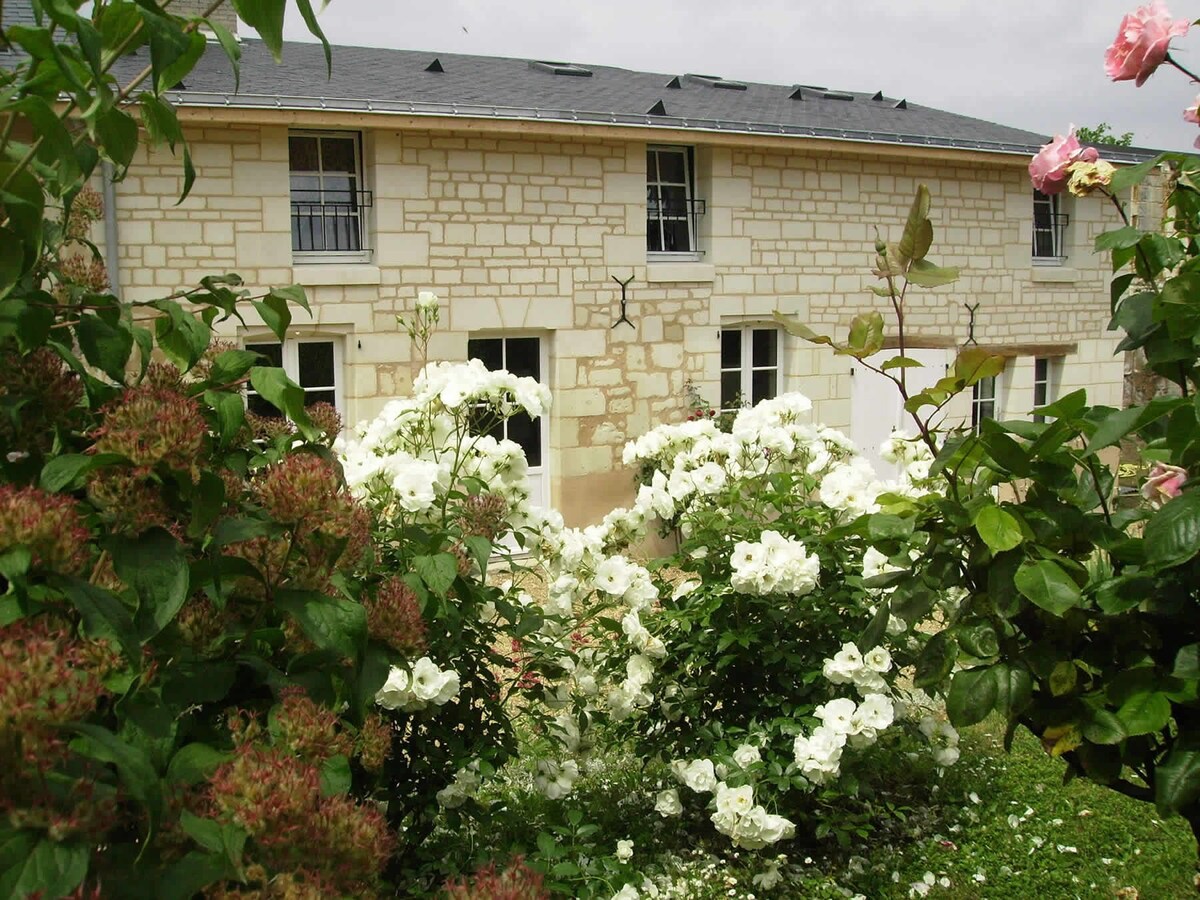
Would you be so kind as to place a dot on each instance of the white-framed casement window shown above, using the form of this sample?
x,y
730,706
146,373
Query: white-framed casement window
x,y
985,401
750,366
672,208
1049,229
1047,373
524,356
313,363
329,201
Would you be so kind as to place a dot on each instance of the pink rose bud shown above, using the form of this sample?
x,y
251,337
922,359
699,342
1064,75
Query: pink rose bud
x,y
1192,114
1164,483
1142,42
1049,170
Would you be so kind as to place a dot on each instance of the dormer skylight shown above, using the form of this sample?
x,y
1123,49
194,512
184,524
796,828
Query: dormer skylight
x,y
715,81
560,68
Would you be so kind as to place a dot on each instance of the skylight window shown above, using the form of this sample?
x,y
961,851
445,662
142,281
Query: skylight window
x,y
560,68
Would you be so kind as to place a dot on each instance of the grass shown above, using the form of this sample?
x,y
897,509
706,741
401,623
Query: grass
x,y
995,826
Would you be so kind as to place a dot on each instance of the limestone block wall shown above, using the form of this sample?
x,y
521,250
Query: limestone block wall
x,y
523,235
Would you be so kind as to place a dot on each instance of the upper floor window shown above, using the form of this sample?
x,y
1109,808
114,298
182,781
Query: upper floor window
x,y
671,205
749,366
1049,229
328,199
313,363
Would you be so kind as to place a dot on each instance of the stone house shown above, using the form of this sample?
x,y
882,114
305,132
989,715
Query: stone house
x,y
624,236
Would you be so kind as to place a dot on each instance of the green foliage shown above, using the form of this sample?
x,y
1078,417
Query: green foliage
x,y
1103,134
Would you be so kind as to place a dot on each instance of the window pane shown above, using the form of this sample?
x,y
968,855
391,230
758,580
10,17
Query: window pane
x,y
731,348
676,237
523,357
731,389
311,397
985,389
762,385
261,407
337,155
489,351
306,188
527,433
302,154
273,352
671,167
651,165
765,347
316,364
674,202
338,189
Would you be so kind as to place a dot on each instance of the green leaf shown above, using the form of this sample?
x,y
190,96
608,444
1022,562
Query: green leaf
x,y
332,623
918,217
184,879
1104,728
67,472
231,414
182,336
51,870
1127,177
1067,406
437,571
792,327
873,634
265,17
1187,662
134,767
979,640
275,313
314,28
103,613
173,51
936,661
1119,238
999,529
974,364
1145,713
105,346
1116,425
233,50
225,839
231,365
117,133
1177,780
866,335
156,567
925,274
1172,536
902,362
194,763
972,696
1044,583
335,776
292,293
274,386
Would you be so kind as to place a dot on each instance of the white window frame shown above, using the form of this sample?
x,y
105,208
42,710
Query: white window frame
x,y
693,253
1052,237
746,367
1046,383
291,363
318,257
980,403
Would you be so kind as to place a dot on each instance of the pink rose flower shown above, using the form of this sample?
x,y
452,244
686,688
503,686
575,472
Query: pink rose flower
x,y
1141,43
1049,170
1192,114
1164,483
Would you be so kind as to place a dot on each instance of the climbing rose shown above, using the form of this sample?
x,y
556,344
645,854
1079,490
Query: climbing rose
x,y
1164,483
1049,170
1141,43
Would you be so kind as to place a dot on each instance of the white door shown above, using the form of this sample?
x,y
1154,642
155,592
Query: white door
x,y
526,357
876,406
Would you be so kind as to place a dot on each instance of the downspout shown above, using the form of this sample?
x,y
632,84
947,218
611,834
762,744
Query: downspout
x,y
112,256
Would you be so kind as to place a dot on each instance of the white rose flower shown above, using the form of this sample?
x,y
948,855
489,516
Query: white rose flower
x,y
878,660
700,776
624,851
668,804
395,693
746,755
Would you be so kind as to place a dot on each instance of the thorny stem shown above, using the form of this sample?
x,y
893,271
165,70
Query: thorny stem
x,y
1170,59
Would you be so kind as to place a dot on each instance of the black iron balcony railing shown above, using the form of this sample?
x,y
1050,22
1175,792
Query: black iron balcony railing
x,y
329,221
1049,236
672,225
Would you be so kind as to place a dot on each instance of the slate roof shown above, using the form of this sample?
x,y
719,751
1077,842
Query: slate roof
x,y
396,81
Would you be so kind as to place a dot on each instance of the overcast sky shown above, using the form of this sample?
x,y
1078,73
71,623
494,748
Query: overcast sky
x,y
1035,64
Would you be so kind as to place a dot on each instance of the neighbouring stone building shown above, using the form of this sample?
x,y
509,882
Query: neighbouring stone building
x,y
523,191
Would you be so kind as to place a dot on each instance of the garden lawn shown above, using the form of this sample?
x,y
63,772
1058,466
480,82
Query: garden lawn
x,y
995,826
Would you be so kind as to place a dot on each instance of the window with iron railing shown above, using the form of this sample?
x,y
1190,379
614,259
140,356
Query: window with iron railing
x,y
1049,229
327,197
672,209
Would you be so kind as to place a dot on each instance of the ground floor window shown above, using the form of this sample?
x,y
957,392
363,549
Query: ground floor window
x,y
983,401
313,363
1046,374
522,356
750,369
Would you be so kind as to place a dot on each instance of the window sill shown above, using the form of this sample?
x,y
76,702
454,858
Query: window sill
x,y
316,274
663,272
1049,273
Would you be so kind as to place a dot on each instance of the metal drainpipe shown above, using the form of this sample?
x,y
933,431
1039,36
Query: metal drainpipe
x,y
112,255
